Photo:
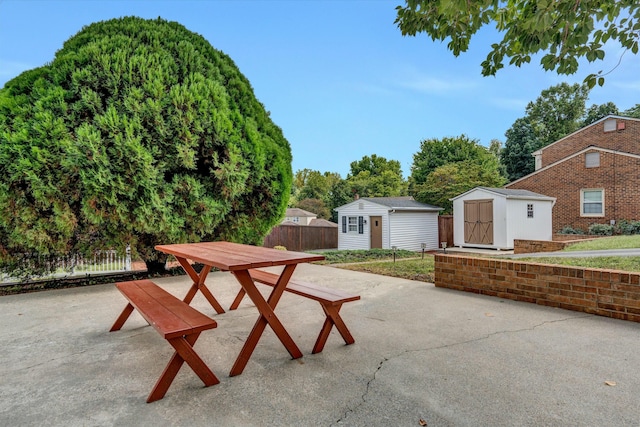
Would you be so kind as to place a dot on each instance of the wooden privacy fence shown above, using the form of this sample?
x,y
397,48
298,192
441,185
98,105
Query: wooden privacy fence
x,y
445,229
302,238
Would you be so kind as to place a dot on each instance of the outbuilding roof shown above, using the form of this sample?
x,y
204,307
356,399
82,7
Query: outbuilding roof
x,y
509,193
406,203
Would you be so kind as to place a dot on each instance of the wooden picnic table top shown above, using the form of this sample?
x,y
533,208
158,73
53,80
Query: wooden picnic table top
x,y
235,256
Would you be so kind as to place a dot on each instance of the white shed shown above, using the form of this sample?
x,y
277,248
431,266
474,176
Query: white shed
x,y
385,222
494,217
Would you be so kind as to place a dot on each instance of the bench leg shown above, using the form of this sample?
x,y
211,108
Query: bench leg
x,y
184,353
122,318
333,318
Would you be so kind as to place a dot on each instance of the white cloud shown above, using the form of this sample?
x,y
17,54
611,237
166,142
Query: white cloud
x,y
373,89
436,85
628,85
514,104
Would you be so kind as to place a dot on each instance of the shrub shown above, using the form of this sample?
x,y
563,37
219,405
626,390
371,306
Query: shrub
x,y
627,227
601,229
569,230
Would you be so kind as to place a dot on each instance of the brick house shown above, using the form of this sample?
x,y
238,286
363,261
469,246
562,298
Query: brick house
x,y
593,173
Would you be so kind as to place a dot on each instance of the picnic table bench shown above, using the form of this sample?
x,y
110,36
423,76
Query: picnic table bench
x,y
331,301
177,322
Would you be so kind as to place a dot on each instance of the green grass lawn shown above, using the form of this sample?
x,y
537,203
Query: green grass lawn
x,y
628,263
410,265
350,256
413,269
614,242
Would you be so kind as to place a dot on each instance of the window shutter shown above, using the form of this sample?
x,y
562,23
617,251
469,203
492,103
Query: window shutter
x,y
344,224
360,225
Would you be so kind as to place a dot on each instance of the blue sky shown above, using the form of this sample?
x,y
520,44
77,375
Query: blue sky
x,y
337,76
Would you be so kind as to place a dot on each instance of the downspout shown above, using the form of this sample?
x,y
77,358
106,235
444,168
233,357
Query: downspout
x,y
392,211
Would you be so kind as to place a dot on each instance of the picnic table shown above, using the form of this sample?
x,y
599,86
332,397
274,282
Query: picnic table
x,y
240,259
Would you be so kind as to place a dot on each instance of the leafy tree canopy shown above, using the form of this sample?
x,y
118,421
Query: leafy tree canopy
x,y
376,176
139,132
375,165
438,152
453,179
312,184
557,112
563,30
632,112
596,112
328,188
316,206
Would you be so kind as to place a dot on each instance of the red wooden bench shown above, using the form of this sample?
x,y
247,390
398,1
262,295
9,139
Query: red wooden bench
x,y
331,301
176,321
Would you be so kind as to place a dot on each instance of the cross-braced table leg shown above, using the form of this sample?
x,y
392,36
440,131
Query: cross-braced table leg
x,y
267,316
198,284
184,353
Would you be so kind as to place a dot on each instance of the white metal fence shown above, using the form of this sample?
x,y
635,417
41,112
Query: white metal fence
x,y
73,265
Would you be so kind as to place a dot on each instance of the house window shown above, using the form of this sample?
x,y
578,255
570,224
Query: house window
x,y
592,160
592,202
353,224
610,125
529,210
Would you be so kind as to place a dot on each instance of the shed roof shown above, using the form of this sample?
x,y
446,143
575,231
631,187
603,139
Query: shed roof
x,y
406,203
509,193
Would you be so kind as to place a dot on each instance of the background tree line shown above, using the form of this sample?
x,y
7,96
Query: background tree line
x,y
446,167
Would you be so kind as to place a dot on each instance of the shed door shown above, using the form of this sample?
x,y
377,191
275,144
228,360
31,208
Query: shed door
x,y
478,222
376,232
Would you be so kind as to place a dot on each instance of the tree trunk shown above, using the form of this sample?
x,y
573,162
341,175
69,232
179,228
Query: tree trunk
x,y
155,267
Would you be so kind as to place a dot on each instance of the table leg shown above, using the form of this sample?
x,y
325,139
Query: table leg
x,y
198,284
267,316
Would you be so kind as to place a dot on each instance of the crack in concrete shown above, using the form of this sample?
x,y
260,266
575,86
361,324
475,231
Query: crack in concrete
x,y
485,337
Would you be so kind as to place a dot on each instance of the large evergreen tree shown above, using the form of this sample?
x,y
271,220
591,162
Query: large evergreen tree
x,y
138,132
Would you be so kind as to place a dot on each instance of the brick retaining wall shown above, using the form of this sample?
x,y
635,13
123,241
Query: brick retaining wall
x,y
531,246
607,293
560,241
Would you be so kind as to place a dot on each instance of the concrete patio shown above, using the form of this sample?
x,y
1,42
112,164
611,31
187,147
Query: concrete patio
x,y
421,353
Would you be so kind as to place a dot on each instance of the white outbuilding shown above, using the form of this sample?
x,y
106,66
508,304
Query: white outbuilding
x,y
493,217
387,222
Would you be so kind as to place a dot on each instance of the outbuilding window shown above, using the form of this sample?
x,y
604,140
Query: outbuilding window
x,y
529,210
592,202
353,224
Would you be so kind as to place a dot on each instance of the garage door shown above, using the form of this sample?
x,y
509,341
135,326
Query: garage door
x,y
478,222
